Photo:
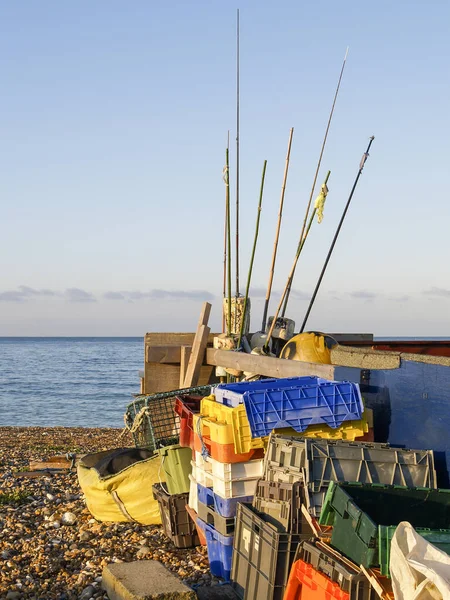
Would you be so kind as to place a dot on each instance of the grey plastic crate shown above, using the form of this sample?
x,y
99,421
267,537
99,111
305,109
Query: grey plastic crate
x,y
283,502
364,462
285,452
224,525
283,475
262,555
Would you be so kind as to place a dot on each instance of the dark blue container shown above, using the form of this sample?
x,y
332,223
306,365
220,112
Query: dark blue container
x,y
220,550
324,402
225,507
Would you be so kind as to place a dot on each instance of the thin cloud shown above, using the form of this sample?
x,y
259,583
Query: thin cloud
x,y
78,295
12,296
24,293
364,295
114,296
399,298
436,291
159,294
261,293
30,292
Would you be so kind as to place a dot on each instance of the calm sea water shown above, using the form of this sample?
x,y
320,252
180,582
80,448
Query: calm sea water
x,y
84,382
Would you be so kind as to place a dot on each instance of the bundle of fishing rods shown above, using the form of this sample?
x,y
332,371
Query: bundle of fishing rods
x,y
262,341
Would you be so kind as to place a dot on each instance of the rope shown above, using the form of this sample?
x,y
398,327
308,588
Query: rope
x,y
205,453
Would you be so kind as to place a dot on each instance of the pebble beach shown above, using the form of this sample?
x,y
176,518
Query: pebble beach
x,y
51,548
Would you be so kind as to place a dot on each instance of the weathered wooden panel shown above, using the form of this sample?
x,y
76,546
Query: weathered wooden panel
x,y
265,365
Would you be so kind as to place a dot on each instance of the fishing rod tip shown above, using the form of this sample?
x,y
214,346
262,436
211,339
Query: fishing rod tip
x,y
346,53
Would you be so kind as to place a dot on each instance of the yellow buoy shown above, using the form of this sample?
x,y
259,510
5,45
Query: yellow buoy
x,y
309,347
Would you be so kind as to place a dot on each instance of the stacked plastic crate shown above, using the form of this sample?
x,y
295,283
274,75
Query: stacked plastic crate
x,y
302,472
226,466
172,494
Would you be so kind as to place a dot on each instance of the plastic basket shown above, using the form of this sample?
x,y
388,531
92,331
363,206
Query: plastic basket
x,y
327,402
225,507
357,510
220,550
177,524
364,462
152,420
232,394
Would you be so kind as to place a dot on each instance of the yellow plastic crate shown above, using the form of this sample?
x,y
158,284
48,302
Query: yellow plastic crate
x,y
349,430
228,425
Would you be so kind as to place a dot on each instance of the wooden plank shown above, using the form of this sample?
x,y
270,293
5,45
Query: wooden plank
x,y
266,365
185,353
166,378
165,354
196,357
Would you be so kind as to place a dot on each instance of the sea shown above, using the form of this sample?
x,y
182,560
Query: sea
x,y
70,381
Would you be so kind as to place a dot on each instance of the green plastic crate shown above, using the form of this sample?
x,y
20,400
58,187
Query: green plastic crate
x,y
357,510
176,468
438,537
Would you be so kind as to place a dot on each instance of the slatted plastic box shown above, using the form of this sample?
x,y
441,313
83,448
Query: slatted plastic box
x,y
365,462
335,567
225,507
177,524
327,402
232,394
357,510
262,555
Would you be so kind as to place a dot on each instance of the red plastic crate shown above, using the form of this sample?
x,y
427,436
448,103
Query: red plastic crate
x,y
305,583
185,407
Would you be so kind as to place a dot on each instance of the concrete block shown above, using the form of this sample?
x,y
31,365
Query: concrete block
x,y
143,580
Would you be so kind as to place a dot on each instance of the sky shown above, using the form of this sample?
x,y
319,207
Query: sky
x,y
114,120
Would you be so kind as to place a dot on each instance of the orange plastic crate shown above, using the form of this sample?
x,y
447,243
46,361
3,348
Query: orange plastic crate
x,y
305,583
201,534
225,452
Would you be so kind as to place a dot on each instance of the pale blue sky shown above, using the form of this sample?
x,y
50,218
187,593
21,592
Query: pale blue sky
x,y
114,117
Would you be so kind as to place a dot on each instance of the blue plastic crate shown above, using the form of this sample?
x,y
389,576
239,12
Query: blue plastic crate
x,y
326,402
232,394
220,550
225,507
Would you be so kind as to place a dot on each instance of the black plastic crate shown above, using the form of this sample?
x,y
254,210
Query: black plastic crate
x,y
177,524
262,555
337,568
224,525
283,501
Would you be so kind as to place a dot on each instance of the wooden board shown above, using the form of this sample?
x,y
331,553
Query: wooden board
x,y
160,377
196,356
185,352
265,365
166,354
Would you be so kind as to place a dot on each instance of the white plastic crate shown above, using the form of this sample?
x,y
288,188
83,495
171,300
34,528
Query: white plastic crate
x,y
201,476
232,471
236,487
201,462
193,494
226,488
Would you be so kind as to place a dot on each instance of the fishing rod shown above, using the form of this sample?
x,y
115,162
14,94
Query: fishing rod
x,y
318,207
361,167
237,157
225,246
277,233
258,216
226,179
316,174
